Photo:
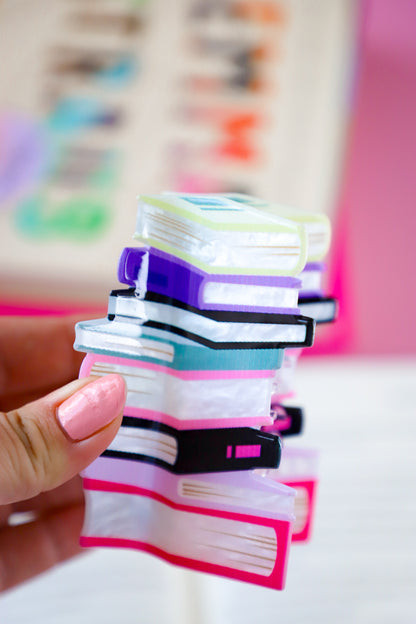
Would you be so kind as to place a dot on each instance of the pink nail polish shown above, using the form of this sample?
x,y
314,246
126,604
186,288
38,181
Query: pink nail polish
x,y
93,407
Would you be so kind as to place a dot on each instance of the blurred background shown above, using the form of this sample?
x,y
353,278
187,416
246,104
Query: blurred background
x,y
308,103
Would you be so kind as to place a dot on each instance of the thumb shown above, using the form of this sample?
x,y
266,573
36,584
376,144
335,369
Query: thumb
x,y
45,443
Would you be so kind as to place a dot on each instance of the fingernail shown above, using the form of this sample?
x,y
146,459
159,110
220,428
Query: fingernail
x,y
93,407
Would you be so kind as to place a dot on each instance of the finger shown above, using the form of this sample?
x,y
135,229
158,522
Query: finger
x,y
5,512
47,442
66,495
36,354
15,401
29,549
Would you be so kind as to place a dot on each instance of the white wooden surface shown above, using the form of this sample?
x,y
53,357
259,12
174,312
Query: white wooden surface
x,y
360,566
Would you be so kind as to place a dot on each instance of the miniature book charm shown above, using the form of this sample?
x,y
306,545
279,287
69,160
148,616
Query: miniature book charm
x,y
223,292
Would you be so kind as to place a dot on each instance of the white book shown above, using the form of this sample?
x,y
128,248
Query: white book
x,y
216,329
220,235
317,225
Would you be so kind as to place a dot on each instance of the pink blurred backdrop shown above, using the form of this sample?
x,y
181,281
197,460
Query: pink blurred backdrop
x,y
374,276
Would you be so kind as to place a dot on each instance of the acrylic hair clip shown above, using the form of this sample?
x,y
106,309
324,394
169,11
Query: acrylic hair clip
x,y
189,399
312,300
149,269
321,309
283,383
213,329
298,470
194,451
146,344
236,525
287,420
193,474
317,226
219,235
238,491
311,280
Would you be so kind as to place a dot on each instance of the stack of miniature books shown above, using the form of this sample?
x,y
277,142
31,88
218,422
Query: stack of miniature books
x,y
213,305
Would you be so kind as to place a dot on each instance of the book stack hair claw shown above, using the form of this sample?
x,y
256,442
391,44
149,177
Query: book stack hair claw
x,y
222,293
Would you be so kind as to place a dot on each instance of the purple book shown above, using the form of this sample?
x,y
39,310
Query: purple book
x,y
149,269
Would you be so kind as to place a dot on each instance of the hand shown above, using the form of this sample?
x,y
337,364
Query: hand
x,y
45,441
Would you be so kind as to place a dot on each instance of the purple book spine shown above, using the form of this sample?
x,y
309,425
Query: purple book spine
x,y
175,278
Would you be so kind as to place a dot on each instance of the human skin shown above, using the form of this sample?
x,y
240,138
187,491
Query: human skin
x,y
52,425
